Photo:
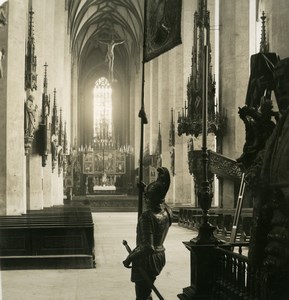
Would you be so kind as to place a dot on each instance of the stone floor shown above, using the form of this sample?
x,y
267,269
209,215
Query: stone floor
x,y
109,280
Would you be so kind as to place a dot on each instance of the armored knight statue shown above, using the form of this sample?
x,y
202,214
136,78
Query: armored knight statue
x,y
152,229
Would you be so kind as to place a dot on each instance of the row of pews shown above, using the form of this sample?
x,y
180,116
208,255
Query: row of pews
x,y
222,219
55,237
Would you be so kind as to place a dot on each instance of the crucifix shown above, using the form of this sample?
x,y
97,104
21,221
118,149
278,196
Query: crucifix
x,y
110,56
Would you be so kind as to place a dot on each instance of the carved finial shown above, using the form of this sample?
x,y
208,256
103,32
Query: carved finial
x,y
65,140
45,83
172,130
159,141
31,12
54,99
54,116
60,131
30,57
264,47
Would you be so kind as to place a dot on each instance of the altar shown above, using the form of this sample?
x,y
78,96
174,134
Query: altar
x,y
97,188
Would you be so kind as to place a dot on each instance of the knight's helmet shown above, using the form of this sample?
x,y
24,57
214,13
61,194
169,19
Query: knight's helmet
x,y
157,190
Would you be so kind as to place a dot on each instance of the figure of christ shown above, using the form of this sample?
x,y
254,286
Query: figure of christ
x,y
110,56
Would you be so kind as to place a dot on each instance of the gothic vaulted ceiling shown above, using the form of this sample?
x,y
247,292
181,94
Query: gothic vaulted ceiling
x,y
92,21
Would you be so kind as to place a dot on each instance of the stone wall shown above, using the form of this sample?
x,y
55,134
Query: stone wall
x,y
24,183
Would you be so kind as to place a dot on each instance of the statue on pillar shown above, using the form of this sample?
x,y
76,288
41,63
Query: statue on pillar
x,y
30,110
148,258
30,116
3,15
2,56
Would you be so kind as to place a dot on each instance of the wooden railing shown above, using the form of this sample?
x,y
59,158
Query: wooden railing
x,y
222,219
234,277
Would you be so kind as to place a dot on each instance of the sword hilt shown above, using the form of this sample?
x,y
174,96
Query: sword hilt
x,y
124,242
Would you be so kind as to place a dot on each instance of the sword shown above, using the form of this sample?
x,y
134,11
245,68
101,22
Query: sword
x,y
144,274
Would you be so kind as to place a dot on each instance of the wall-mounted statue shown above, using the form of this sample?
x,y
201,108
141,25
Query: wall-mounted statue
x,y
2,56
60,156
3,18
30,116
54,146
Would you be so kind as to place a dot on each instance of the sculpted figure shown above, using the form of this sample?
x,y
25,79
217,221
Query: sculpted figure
x,y
269,244
54,147
30,116
152,229
110,56
2,56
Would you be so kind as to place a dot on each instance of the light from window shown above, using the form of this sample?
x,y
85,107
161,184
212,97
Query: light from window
x,y
102,110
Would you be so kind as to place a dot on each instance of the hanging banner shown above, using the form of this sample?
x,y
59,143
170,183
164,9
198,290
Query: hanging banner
x,y
163,27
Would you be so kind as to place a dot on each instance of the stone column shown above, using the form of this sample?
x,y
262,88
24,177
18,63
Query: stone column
x,y
234,75
147,103
154,115
3,115
74,104
12,158
137,95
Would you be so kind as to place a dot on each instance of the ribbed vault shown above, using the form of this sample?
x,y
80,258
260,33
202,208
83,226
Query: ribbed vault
x,y
92,23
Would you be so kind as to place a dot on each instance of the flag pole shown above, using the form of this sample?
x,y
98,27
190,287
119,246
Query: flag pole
x,y
143,118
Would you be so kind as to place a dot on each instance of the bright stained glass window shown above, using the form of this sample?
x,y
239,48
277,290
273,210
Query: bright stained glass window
x,y
102,109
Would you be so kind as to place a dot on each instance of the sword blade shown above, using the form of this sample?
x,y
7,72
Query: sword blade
x,y
144,274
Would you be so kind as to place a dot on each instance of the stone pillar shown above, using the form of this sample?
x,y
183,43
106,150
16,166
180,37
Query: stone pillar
x,y
47,183
234,75
74,104
137,95
3,115
154,115
147,103
12,158
132,129
34,182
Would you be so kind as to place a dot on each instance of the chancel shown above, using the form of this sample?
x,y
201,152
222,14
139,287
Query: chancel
x,y
161,126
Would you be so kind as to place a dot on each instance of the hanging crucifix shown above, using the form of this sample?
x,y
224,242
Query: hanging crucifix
x,y
110,56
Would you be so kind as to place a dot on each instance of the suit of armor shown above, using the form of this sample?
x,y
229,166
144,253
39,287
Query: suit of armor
x,y
152,229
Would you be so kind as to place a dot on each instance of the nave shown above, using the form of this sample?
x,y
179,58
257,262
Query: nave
x,y
109,280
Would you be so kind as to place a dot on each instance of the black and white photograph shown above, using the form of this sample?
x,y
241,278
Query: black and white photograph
x,y
144,149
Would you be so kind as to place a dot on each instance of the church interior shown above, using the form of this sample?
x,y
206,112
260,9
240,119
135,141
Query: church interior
x,y
96,97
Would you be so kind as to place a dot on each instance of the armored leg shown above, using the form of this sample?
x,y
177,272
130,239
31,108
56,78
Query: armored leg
x,y
143,291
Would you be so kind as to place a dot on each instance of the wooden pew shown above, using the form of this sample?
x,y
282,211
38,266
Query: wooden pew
x,y
52,238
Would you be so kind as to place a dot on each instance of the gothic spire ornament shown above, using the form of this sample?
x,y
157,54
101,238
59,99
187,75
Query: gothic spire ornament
x,y
54,133
44,121
30,58
190,120
264,46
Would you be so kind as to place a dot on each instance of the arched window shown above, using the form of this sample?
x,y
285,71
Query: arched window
x,y
102,110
